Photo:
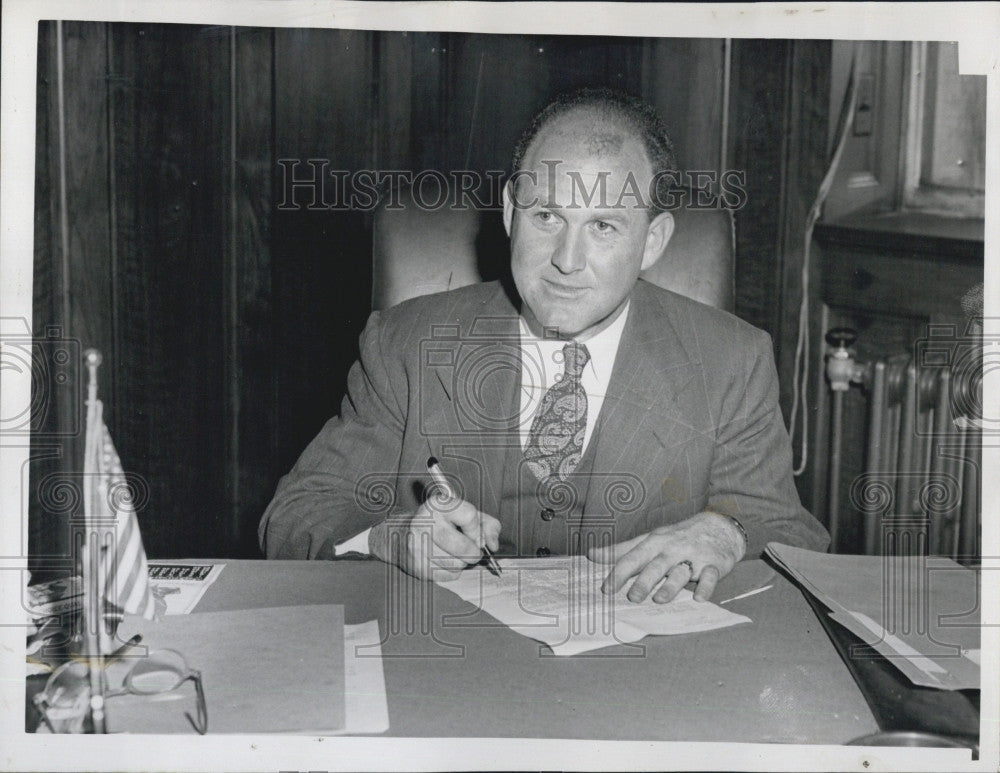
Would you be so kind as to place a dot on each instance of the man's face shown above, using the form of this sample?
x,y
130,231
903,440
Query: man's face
x,y
579,233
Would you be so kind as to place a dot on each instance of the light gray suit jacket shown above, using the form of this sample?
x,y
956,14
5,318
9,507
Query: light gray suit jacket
x,y
690,422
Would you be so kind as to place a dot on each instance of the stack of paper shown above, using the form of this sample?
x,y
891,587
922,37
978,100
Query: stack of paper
x,y
279,669
919,612
558,601
286,669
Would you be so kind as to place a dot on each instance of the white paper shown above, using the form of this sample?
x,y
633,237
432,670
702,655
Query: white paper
x,y
900,647
855,590
181,585
558,601
367,710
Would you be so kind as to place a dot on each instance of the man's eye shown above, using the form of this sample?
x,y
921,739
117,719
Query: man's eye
x,y
544,217
603,226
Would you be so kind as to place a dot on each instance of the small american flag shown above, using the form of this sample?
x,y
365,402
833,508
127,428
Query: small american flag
x,y
123,576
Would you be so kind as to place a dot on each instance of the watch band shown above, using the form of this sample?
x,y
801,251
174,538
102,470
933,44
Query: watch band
x,y
743,532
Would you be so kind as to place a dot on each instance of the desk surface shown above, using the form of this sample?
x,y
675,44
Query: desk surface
x,y
451,670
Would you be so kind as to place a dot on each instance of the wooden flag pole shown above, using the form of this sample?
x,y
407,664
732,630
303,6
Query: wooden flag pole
x,y
92,585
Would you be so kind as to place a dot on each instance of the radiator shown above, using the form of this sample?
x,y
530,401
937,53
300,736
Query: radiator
x,y
919,492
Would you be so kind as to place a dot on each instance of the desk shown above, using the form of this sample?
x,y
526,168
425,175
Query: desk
x,y
451,670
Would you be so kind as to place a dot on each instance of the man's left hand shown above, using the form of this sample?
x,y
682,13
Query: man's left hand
x,y
703,548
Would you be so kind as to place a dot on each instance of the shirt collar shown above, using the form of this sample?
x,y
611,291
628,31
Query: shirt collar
x,y
603,346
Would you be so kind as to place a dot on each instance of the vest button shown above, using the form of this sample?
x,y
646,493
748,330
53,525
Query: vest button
x,y
548,514
542,552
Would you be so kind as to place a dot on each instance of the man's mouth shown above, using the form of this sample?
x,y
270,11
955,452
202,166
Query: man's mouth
x,y
565,291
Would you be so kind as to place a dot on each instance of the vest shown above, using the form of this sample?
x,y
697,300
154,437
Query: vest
x,y
541,520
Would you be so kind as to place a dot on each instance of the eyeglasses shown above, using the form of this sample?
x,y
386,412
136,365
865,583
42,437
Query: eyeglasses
x,y
63,703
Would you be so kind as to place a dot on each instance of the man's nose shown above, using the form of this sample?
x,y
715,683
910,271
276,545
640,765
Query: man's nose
x,y
568,254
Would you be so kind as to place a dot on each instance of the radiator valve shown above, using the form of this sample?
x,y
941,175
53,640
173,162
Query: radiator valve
x,y
841,369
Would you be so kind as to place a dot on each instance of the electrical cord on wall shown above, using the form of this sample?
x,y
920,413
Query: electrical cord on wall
x,y
800,376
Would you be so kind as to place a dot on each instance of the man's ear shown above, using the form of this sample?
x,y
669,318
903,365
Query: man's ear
x,y
508,207
660,230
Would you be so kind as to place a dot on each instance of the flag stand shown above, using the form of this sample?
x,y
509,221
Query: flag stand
x,y
113,562
93,601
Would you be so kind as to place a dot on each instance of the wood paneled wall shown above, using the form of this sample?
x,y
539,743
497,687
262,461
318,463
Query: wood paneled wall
x,y
227,323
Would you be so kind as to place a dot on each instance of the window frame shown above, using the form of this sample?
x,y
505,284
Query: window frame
x,y
915,194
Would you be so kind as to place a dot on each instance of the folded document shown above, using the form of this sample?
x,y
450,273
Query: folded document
x,y
920,612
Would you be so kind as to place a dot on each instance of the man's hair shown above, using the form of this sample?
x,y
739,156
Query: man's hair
x,y
630,113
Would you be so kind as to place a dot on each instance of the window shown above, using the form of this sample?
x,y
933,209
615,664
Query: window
x,y
945,149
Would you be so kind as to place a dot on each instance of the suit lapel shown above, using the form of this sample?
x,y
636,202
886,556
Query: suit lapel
x,y
642,425
473,395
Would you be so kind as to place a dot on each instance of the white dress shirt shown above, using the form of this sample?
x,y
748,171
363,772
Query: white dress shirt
x,y
541,366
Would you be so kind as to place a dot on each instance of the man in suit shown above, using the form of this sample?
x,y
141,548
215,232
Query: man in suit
x,y
582,410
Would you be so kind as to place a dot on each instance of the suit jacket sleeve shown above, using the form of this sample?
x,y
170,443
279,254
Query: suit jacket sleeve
x,y
325,499
751,476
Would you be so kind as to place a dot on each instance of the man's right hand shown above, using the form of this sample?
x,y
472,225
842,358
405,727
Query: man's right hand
x,y
437,541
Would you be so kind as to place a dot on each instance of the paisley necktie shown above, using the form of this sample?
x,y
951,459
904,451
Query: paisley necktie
x,y
555,440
